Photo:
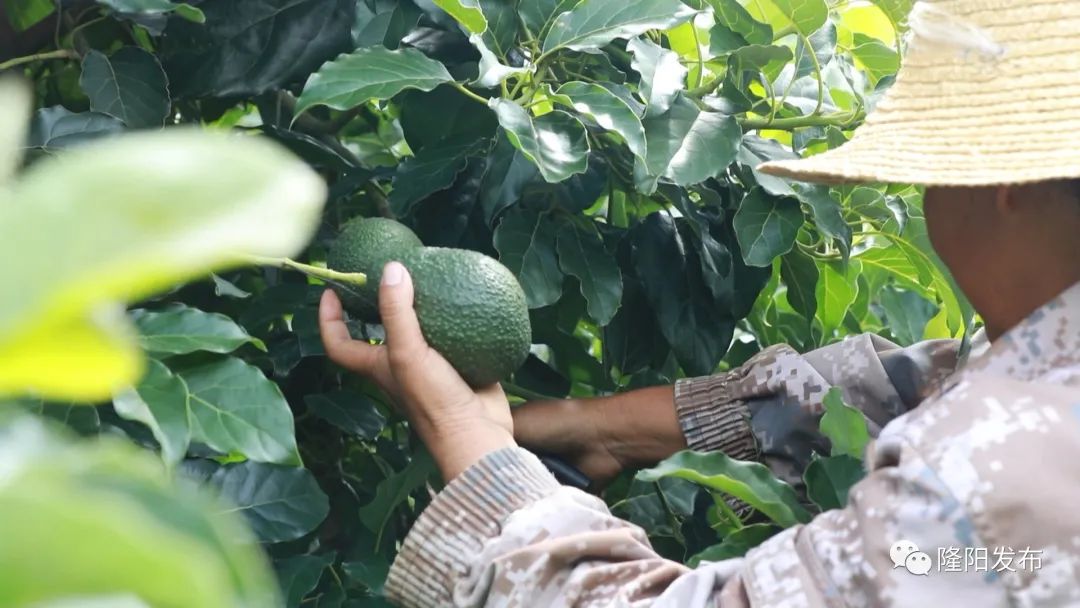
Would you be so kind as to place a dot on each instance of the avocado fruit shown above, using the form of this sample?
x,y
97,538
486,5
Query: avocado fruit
x,y
366,245
471,308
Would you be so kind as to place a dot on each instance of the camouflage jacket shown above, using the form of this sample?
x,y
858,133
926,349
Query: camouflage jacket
x,y
986,468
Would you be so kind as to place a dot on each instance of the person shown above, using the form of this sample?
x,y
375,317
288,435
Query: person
x,y
981,458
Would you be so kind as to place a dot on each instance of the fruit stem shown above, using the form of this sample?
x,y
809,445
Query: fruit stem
x,y
352,278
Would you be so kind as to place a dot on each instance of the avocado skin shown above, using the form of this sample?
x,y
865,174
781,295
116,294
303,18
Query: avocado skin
x,y
472,310
366,245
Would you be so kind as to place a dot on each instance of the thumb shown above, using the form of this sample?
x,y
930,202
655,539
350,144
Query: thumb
x,y
403,336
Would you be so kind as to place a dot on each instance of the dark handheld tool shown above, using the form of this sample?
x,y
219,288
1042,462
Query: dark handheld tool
x,y
566,474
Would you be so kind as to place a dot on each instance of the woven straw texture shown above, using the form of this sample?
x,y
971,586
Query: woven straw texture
x,y
969,118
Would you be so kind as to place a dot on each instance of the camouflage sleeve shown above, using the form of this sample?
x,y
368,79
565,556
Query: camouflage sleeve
x,y
506,534
768,409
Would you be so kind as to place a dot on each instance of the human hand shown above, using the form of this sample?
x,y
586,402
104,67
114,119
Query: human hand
x,y
459,425
603,436
570,430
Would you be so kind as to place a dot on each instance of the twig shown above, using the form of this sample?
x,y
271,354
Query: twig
x,y
352,278
58,54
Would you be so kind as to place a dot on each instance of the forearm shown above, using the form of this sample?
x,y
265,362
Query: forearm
x,y
640,427
634,428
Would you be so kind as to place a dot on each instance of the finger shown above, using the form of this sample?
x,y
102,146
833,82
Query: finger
x,y
403,336
340,347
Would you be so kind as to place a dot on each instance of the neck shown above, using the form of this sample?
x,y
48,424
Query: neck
x,y
1026,294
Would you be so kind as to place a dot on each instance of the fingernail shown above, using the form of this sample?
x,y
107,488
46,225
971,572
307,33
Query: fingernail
x,y
392,274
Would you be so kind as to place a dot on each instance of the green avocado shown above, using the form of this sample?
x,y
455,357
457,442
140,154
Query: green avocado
x,y
366,245
472,310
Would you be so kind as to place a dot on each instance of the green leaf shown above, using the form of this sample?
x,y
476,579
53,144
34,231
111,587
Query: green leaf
x,y
800,275
662,74
178,330
766,227
160,401
759,57
202,199
280,503
395,490
907,314
506,174
155,7
828,480
57,127
104,519
370,73
81,418
836,292
250,48
466,12
299,575
735,544
844,426
503,26
698,325
607,110
594,23
896,10
582,255
750,482
526,241
687,146
234,408
352,412
386,23
433,169
732,15
491,72
537,15
876,58
25,14
807,16
827,214
130,85
555,142
18,100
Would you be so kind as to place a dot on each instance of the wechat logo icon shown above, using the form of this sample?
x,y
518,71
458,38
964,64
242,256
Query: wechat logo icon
x,y
906,554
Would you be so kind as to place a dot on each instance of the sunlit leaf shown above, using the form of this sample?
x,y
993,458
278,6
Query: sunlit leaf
x,y
594,23
179,329
750,482
844,426
200,200
555,142
105,516
607,110
466,12
662,74
370,73
686,145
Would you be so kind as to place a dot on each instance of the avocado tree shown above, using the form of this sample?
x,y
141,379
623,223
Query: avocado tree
x,y
603,150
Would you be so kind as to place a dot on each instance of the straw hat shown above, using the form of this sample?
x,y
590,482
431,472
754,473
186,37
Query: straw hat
x,y
989,93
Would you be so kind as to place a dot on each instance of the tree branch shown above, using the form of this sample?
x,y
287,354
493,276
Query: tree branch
x,y
58,54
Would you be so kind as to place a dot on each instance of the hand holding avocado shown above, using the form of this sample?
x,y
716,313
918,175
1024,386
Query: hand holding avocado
x,y
459,424
456,323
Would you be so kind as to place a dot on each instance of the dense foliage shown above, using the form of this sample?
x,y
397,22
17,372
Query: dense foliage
x,y
603,150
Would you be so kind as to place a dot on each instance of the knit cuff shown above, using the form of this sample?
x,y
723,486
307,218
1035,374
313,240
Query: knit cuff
x,y
711,420
439,549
